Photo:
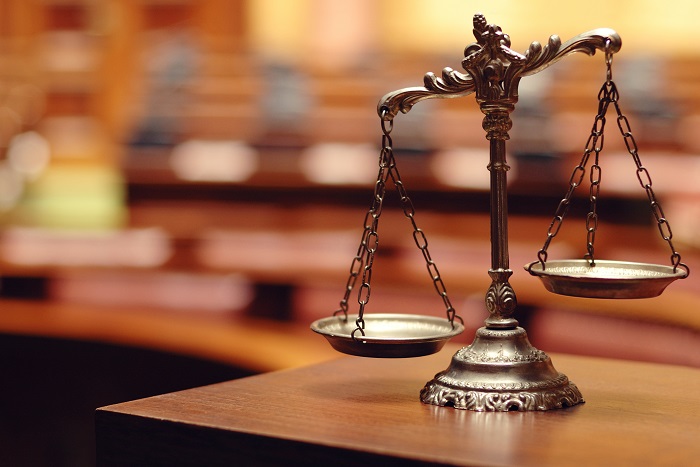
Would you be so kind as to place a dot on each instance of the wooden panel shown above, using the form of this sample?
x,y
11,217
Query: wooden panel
x,y
254,345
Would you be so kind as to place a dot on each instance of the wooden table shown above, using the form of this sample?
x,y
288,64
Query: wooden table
x,y
358,411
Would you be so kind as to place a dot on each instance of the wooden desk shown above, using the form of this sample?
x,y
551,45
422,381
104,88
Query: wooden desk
x,y
357,411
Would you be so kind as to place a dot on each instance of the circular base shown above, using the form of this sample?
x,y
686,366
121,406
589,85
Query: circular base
x,y
500,371
388,335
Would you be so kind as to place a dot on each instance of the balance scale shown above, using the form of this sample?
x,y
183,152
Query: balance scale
x,y
500,370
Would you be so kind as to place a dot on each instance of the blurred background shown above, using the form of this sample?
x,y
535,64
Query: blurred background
x,y
183,185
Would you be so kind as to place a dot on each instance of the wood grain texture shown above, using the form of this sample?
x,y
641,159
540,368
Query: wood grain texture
x,y
354,410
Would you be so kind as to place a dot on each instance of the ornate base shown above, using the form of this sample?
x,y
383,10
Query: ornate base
x,y
498,372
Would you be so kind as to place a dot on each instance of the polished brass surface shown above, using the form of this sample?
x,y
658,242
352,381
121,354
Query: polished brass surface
x,y
388,335
605,279
500,370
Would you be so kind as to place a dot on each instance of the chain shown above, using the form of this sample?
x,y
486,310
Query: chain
x,y
645,181
422,243
364,258
608,95
594,145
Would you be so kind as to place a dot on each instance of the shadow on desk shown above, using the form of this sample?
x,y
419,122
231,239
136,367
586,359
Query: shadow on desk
x,y
51,387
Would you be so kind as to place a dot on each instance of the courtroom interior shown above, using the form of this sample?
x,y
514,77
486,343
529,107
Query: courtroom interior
x,y
183,185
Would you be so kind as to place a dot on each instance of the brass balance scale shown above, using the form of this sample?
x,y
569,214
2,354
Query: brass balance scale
x,y
500,370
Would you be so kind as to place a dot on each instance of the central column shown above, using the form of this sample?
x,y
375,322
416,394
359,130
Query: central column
x,y
500,370
500,298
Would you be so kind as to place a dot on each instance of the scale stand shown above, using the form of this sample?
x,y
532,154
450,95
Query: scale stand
x,y
500,370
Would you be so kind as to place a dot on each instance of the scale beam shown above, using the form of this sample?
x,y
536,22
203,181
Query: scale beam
x,y
454,84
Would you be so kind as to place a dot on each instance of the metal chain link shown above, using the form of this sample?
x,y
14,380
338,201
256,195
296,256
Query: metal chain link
x,y
594,145
364,258
608,95
645,181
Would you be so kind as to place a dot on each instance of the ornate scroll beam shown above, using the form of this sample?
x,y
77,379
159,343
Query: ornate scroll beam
x,y
455,84
452,84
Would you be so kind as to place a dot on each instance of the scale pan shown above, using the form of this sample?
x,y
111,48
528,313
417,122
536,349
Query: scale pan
x,y
388,335
607,279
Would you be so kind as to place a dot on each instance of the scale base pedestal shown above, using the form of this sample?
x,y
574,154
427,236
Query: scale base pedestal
x,y
499,372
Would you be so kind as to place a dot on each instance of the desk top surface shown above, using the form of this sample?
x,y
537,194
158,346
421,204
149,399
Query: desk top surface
x,y
635,413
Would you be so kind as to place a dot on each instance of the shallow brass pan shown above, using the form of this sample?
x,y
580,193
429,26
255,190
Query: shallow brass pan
x,y
388,335
607,279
